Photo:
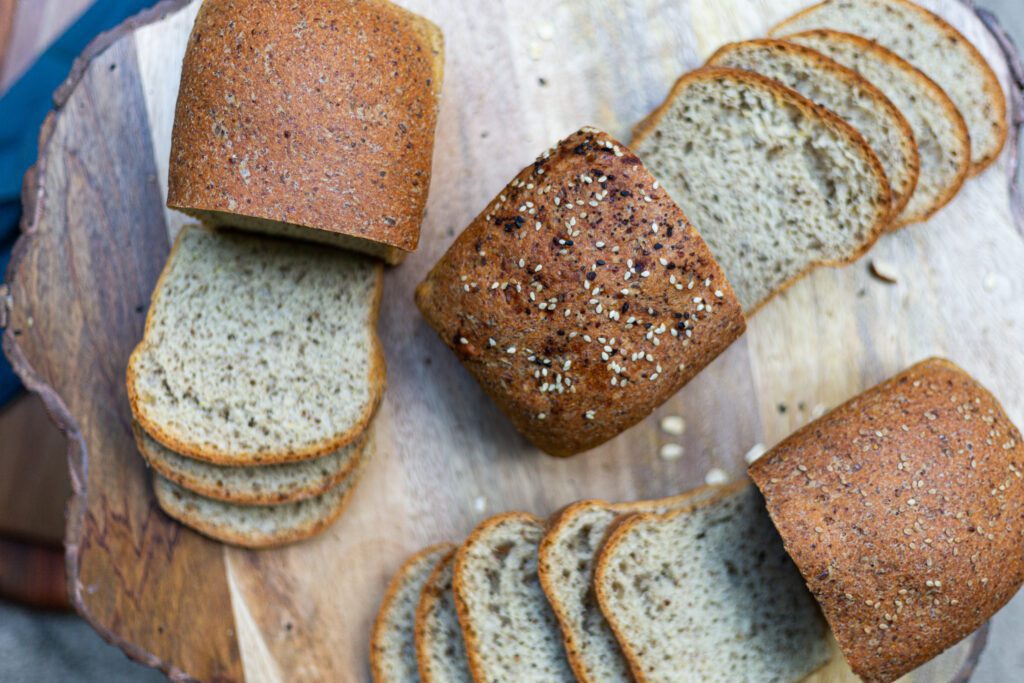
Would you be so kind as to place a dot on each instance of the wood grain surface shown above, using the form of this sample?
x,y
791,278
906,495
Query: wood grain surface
x,y
519,76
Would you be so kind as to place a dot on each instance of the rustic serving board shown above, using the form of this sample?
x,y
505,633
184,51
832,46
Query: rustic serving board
x,y
519,75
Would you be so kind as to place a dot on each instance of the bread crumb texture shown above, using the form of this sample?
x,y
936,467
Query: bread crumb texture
x,y
440,649
904,510
582,297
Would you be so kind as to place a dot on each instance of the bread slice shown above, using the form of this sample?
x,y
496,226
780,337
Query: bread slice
x,y
256,526
440,649
265,485
707,593
933,46
939,129
392,645
904,510
258,350
565,566
511,634
856,100
777,184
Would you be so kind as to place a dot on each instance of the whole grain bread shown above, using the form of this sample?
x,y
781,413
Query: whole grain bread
x,y
929,43
939,129
440,649
904,510
509,629
581,298
265,485
855,99
314,119
565,566
707,593
776,184
392,644
258,350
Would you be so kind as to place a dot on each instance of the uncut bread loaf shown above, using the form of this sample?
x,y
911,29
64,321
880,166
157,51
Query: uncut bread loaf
x,y
392,644
309,118
258,350
939,129
262,485
509,629
776,184
565,566
929,43
440,649
904,510
707,593
581,298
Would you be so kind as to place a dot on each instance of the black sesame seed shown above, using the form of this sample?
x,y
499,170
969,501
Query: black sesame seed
x,y
658,245
625,306
520,221
600,261
680,326
677,316
591,276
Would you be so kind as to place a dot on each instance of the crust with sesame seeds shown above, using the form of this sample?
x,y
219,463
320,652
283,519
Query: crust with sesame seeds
x,y
904,510
581,298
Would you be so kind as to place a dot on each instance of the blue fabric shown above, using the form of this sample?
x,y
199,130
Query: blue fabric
x,y
22,111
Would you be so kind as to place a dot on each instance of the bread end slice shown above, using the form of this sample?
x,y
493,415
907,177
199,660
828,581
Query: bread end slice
x,y
440,648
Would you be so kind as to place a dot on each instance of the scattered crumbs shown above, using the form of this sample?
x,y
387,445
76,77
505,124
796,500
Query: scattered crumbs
x,y
818,411
782,408
671,451
990,282
673,424
716,476
542,81
755,452
884,271
535,50
546,30
480,504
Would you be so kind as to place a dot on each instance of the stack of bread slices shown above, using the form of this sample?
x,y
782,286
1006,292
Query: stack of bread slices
x,y
892,519
260,370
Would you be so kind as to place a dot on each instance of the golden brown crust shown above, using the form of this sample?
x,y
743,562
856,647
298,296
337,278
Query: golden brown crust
x,y
581,273
319,114
377,380
904,511
431,596
938,95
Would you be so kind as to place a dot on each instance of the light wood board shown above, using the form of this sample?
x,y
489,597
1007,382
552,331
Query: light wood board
x,y
519,75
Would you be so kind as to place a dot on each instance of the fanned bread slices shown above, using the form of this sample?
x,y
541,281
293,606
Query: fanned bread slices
x,y
510,631
933,46
565,566
440,648
258,350
777,184
844,92
393,645
940,131
708,593
264,485
255,526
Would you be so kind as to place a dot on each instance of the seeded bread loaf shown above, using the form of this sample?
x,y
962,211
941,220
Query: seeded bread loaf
x,y
776,184
565,566
855,99
440,649
508,627
312,119
707,593
258,350
933,46
392,645
266,485
581,298
904,510
939,129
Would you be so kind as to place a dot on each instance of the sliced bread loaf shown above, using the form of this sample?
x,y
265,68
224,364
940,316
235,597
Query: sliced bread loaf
x,y
264,485
258,350
707,593
440,649
510,632
929,43
855,99
393,644
939,129
777,184
565,566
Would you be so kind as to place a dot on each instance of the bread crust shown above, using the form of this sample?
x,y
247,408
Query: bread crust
x,y
904,511
291,113
993,89
939,95
783,94
853,81
179,443
428,598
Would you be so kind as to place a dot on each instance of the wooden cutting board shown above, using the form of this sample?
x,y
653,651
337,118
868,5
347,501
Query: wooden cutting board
x,y
519,76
